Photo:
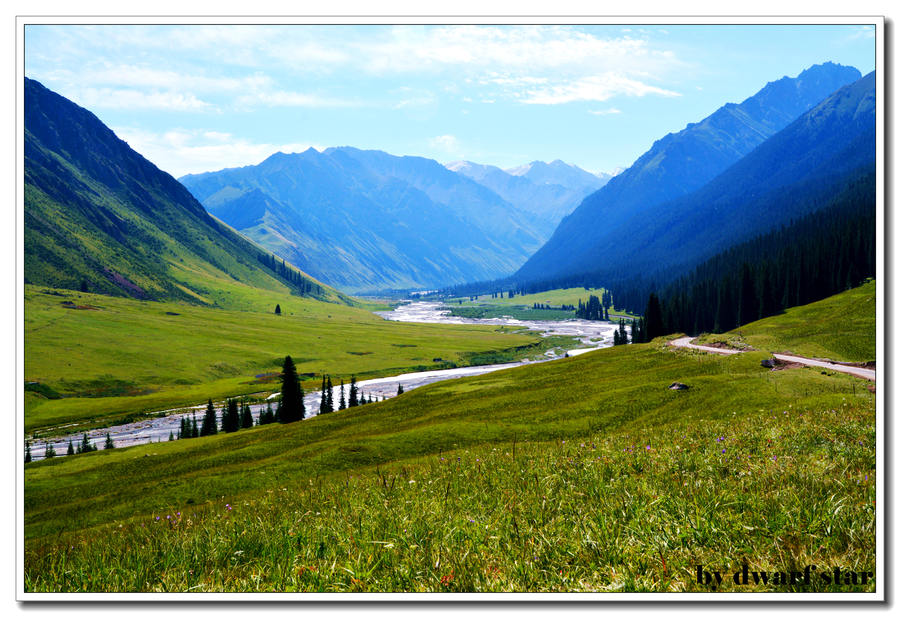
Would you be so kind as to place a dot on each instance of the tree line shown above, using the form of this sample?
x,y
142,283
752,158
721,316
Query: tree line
x,y
236,415
304,285
815,257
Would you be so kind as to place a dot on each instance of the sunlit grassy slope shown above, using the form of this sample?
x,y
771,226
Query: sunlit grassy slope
x,y
116,356
521,306
840,328
554,297
623,484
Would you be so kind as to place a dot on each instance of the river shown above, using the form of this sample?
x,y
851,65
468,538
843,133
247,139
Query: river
x,y
590,334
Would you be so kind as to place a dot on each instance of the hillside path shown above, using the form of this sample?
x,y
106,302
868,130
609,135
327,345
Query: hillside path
x,y
857,371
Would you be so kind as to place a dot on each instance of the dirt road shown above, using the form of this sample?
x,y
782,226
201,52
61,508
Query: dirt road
x,y
864,373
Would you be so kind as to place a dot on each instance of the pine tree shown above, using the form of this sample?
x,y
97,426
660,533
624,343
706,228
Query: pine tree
x,y
27,451
292,408
354,392
343,404
109,445
748,309
71,449
623,335
246,416
616,340
194,431
653,319
399,389
329,405
267,416
181,428
231,419
49,452
209,421
323,400
85,445
278,309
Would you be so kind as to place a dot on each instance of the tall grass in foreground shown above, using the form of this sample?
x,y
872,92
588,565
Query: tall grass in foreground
x,y
633,509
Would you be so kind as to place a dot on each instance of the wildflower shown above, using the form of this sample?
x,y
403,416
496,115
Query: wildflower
x,y
648,446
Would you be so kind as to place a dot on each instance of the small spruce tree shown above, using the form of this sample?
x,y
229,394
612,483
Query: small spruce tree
x,y
231,419
209,421
292,408
343,404
109,445
27,451
71,449
278,309
49,452
399,389
354,393
329,406
246,415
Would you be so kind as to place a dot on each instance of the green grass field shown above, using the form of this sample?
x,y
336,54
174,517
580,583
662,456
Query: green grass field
x,y
582,474
554,297
522,307
840,328
119,357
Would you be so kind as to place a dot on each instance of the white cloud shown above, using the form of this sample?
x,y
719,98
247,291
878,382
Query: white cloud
x,y
259,65
592,88
445,143
282,98
184,151
118,98
863,32
605,112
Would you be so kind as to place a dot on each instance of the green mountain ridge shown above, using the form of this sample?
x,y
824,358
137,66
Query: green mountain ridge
x,y
102,218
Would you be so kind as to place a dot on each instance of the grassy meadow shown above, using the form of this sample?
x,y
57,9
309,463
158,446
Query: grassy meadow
x,y
104,359
841,327
585,474
521,306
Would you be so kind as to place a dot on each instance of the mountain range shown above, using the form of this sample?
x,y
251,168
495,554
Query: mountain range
x,y
366,220
101,218
600,232
545,191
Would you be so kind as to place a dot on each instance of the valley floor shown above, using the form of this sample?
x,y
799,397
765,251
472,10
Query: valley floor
x,y
584,474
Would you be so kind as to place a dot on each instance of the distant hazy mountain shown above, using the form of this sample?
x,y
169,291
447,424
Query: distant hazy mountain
x,y
365,220
100,216
794,173
556,172
547,192
676,165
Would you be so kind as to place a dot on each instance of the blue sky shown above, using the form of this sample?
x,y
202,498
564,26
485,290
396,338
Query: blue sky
x,y
201,98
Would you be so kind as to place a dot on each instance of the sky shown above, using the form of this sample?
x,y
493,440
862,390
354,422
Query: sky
x,y
198,98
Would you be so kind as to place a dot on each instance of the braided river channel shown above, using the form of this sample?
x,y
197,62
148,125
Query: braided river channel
x,y
589,335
